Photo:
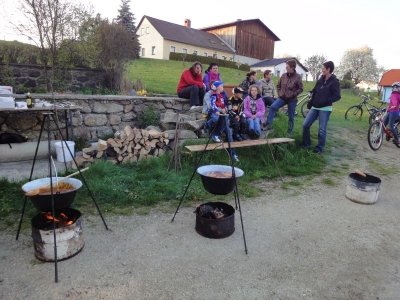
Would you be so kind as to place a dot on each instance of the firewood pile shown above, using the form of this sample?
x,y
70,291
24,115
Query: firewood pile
x,y
130,145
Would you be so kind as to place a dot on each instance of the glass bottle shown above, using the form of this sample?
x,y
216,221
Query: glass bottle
x,y
29,102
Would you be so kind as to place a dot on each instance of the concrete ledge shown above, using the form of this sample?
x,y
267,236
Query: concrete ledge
x,y
22,151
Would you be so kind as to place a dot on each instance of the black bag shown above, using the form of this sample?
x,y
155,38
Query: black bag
x,y
9,137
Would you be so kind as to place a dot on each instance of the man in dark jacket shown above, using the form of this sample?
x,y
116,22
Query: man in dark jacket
x,y
324,94
289,87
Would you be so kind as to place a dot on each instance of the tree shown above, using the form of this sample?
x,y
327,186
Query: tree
x,y
313,64
48,23
360,64
115,46
127,19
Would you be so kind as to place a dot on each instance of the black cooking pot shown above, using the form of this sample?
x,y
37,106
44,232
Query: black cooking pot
x,y
216,185
61,199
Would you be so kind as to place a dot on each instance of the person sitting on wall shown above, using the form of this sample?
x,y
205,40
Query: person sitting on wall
x,y
191,86
247,82
211,74
267,88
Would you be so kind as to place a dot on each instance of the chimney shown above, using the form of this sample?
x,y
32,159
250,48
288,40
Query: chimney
x,y
187,23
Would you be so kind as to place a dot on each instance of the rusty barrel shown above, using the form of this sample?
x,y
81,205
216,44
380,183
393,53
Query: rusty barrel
x,y
362,189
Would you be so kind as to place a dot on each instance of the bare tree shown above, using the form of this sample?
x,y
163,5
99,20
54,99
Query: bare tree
x,y
313,64
48,23
360,64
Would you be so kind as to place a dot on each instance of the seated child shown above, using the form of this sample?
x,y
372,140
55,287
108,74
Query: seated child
x,y
237,118
393,111
218,122
254,110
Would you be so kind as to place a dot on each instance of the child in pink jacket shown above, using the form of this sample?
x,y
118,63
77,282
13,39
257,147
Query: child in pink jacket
x,y
393,111
254,110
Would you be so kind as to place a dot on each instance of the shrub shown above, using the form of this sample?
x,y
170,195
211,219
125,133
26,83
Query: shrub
x,y
148,117
208,60
346,84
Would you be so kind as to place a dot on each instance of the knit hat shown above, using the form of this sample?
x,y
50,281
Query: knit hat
x,y
237,90
217,83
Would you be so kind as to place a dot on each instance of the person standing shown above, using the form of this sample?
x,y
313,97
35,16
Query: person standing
x,y
324,94
289,87
211,74
267,88
191,86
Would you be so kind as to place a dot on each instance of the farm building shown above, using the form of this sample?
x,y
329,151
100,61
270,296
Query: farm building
x,y
385,84
278,66
245,42
252,39
158,38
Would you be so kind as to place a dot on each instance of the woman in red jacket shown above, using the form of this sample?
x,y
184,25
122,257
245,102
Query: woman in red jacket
x,y
191,85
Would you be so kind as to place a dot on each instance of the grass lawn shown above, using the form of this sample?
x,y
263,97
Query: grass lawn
x,y
135,187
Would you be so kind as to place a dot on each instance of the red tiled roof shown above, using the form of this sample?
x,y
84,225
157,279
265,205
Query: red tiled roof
x,y
389,77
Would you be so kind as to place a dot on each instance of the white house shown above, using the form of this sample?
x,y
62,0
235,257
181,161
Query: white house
x,y
278,66
158,38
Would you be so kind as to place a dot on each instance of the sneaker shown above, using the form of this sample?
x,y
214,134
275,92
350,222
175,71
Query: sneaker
x,y
216,139
317,151
235,158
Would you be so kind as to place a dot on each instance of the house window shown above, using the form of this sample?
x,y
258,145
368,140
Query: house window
x,y
223,57
278,73
141,31
153,50
205,54
184,50
173,49
143,52
147,30
215,55
195,52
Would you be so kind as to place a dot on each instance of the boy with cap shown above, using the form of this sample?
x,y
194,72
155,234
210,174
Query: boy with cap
x,y
218,116
237,118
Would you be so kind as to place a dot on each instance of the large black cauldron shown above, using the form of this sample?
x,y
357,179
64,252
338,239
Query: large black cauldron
x,y
210,227
218,186
61,200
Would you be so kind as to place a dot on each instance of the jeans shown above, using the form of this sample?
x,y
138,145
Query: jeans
x,y
194,93
254,125
391,118
221,124
276,105
238,126
312,115
268,101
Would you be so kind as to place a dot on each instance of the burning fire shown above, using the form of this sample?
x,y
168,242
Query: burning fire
x,y
61,220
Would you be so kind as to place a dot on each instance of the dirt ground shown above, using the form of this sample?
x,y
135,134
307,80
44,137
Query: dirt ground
x,y
305,242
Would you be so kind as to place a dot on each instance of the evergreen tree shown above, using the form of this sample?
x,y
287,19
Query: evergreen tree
x,y
127,19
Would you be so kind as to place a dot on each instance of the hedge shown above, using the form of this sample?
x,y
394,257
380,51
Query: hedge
x,y
207,60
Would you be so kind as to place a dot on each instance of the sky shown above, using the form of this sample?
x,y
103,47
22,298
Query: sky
x,y
305,27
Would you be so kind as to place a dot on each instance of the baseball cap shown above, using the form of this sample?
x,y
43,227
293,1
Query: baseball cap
x,y
237,90
217,83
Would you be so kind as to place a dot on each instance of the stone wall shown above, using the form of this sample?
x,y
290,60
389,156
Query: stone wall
x,y
31,78
101,116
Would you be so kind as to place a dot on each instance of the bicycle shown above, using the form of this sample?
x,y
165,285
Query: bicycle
x,y
377,130
356,111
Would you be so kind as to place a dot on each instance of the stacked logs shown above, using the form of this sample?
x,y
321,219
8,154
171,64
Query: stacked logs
x,y
129,145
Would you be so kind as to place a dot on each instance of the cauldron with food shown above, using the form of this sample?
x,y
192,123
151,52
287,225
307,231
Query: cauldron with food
x,y
64,190
218,179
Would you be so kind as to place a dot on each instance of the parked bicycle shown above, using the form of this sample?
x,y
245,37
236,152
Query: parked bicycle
x,y
355,112
377,131
302,103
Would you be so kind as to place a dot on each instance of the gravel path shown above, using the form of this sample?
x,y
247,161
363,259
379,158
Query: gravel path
x,y
308,242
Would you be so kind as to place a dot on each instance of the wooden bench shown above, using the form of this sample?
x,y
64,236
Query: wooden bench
x,y
246,143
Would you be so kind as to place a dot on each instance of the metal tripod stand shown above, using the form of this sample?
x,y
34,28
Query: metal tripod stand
x,y
236,192
46,120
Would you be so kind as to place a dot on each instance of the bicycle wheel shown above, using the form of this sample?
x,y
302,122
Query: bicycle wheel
x,y
353,113
304,109
375,135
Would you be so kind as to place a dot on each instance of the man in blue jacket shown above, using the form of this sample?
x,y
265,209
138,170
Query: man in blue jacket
x,y
324,94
